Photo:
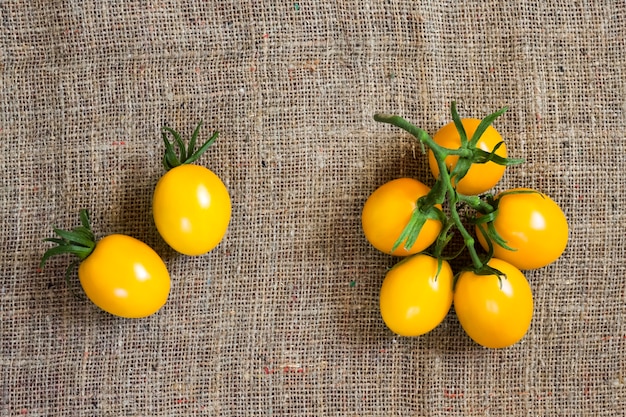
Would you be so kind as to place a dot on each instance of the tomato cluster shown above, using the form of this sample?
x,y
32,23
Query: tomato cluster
x,y
191,209
517,229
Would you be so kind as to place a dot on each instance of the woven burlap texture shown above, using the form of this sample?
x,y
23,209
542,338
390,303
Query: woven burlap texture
x,y
282,317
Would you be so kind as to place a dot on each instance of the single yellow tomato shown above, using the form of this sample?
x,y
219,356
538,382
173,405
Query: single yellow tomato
x,y
480,177
119,274
190,205
125,277
387,212
531,224
414,297
495,312
191,208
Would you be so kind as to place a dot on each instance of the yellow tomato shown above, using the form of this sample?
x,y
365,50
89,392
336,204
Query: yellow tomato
x,y
530,223
191,208
495,312
387,212
480,177
414,298
125,277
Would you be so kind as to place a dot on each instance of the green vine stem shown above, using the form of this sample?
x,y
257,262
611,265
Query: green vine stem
x,y
444,191
444,181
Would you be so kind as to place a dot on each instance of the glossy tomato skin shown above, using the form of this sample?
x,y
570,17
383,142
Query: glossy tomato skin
x,y
480,177
532,224
495,312
125,277
191,208
414,299
388,210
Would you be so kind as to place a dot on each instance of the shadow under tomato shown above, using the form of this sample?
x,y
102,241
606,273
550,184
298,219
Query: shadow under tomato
x,y
135,218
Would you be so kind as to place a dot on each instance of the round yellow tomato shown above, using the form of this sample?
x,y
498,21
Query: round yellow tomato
x,y
532,224
480,177
414,298
125,277
387,212
191,208
495,312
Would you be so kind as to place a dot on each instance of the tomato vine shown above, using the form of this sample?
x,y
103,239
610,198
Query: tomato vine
x,y
444,190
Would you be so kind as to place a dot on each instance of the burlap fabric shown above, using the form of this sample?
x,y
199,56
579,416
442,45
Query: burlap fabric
x,y
282,318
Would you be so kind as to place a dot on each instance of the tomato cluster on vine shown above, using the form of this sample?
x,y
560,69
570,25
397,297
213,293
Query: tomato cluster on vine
x,y
504,234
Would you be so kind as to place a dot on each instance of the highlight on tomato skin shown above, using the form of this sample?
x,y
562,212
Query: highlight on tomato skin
x,y
388,210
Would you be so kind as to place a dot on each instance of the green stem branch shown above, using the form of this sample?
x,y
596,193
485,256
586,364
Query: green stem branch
x,y
443,186
476,203
453,199
420,134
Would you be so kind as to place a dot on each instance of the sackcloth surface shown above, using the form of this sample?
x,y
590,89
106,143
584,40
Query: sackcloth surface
x,y
282,319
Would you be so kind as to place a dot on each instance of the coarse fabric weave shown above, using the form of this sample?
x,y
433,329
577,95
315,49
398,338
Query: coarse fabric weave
x,y
282,318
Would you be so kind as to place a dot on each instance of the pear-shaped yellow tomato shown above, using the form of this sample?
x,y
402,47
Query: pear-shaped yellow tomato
x,y
388,210
480,177
190,205
125,277
414,297
494,311
531,224
119,274
191,208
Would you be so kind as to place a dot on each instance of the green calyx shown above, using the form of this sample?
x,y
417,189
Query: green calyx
x,y
79,241
487,209
186,154
444,191
468,153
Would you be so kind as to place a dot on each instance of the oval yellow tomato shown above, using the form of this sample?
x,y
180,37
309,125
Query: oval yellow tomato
x,y
532,224
125,277
495,312
387,212
414,298
191,208
480,177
